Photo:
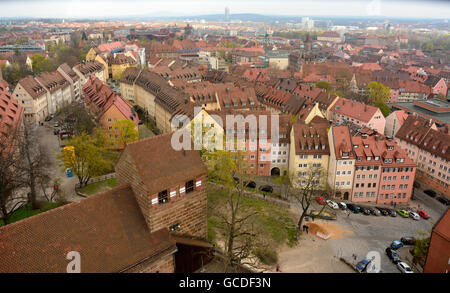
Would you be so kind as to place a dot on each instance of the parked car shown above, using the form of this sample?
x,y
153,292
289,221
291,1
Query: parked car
x,y
408,240
375,212
332,204
365,211
250,184
403,213
362,265
141,122
56,131
392,213
423,214
354,208
384,212
430,192
266,188
414,215
236,179
320,200
404,268
443,200
343,205
396,244
393,255
48,118
56,124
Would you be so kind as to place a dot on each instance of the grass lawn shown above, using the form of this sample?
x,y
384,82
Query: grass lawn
x,y
26,211
100,186
275,220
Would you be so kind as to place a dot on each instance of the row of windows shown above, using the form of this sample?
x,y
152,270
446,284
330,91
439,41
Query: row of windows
x,y
394,178
391,195
363,176
388,187
338,173
302,157
397,169
369,185
345,162
361,194
367,168
343,183
163,196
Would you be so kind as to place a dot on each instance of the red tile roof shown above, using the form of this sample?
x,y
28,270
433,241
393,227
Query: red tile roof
x,y
353,109
107,229
150,156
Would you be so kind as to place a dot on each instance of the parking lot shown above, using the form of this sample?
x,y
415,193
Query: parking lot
x,y
375,233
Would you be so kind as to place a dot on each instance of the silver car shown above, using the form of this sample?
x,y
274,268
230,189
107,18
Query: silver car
x,y
404,268
414,215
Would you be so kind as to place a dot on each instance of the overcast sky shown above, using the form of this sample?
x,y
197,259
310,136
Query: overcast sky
x,y
115,8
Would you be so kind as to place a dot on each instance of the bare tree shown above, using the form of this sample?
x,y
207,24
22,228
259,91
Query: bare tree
x,y
10,175
35,164
239,230
307,187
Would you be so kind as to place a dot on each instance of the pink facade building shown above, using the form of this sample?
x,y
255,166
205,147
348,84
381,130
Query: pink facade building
x,y
383,171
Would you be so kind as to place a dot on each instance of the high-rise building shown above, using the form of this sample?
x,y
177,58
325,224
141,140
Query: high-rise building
x,y
227,13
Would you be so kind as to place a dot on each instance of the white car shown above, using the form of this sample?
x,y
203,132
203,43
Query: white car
x,y
414,215
404,268
343,205
332,204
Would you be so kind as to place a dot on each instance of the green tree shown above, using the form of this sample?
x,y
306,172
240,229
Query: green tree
x,y
126,131
379,94
41,64
92,157
323,85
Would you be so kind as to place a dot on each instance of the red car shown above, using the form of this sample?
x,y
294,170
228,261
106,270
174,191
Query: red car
x,y
321,200
423,214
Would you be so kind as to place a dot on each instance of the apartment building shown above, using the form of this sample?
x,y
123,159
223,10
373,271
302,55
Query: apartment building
x,y
362,115
73,79
309,152
429,148
58,89
109,107
341,168
383,171
119,64
394,121
85,70
32,96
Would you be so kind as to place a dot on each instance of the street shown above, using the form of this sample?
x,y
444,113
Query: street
x,y
50,142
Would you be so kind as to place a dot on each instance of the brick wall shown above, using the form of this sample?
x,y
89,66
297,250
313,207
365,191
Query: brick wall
x,y
189,211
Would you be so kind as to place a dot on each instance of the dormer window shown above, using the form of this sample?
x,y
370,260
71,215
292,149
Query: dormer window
x,y
377,158
366,145
359,159
369,158
323,146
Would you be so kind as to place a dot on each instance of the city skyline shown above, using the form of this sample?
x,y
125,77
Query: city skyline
x,y
172,8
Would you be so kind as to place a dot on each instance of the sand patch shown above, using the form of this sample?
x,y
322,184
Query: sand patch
x,y
325,230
